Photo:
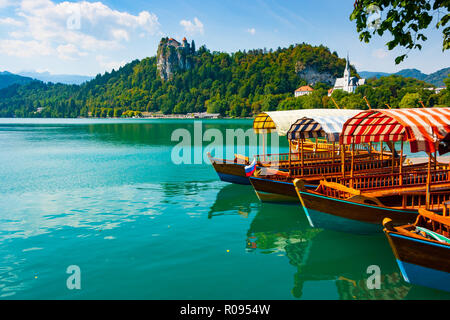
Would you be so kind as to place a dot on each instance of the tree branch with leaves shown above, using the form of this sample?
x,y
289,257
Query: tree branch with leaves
x,y
405,20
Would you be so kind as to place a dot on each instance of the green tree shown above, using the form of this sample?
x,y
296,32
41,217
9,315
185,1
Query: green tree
x,y
410,100
406,21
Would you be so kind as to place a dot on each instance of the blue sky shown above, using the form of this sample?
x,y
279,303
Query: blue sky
x,y
90,37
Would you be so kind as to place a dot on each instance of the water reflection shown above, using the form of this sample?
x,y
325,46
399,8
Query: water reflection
x,y
330,265
234,199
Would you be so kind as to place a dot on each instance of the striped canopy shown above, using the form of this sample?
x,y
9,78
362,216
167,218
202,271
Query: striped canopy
x,y
423,127
328,127
281,121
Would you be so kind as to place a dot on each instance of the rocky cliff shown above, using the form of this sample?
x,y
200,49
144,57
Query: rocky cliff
x,y
312,76
174,56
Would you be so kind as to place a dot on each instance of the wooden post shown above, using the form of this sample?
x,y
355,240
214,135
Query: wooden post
x,y
264,146
290,163
393,158
333,151
352,169
382,158
301,151
400,170
342,148
428,195
435,160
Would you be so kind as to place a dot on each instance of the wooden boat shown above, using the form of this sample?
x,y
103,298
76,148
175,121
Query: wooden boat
x,y
422,250
358,204
277,186
352,212
278,121
233,171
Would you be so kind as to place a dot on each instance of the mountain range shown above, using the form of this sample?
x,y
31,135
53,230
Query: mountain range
x,y
435,78
56,78
8,78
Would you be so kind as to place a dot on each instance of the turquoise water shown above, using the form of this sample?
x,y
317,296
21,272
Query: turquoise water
x,y
105,195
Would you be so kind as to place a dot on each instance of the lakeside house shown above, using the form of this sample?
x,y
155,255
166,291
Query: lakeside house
x,y
197,115
436,90
204,115
302,91
347,83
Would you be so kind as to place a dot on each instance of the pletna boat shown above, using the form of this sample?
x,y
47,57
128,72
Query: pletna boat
x,y
233,170
273,186
422,249
358,204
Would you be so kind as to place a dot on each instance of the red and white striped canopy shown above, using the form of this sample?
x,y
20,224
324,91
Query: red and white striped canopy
x,y
421,127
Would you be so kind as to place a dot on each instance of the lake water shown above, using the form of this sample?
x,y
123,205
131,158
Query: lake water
x,y
106,196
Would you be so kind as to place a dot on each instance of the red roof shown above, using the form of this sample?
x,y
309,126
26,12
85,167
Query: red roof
x,y
422,127
304,88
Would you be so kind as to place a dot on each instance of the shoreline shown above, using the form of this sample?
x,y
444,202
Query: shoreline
x,y
142,118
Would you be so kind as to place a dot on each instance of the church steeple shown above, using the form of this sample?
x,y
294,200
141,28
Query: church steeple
x,y
348,83
347,68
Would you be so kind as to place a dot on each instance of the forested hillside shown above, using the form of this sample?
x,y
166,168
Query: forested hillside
x,y
236,85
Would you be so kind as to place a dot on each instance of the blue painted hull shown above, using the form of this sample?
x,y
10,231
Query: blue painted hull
x,y
322,220
233,178
229,171
347,216
422,262
424,276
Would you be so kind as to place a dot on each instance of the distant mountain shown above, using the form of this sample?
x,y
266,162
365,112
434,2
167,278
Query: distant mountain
x,y
435,78
371,74
7,79
412,73
56,78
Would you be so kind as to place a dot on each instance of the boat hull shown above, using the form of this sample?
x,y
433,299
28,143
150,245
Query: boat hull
x,y
422,262
231,172
347,216
269,190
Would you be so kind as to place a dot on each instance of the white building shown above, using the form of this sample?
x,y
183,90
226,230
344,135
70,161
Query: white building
x,y
302,91
347,83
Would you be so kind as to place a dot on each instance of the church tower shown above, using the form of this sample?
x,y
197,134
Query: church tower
x,y
347,75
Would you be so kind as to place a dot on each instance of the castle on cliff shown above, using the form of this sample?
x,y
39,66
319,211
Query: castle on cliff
x,y
184,44
173,55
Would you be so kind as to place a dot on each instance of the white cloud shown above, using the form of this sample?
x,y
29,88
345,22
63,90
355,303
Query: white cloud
x,y
69,52
5,3
25,49
11,22
120,34
107,64
73,29
191,28
252,31
380,53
